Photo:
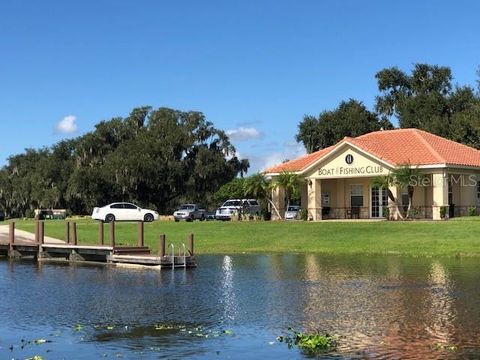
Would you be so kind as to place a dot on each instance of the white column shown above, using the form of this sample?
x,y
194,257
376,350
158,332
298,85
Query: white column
x,y
440,195
315,199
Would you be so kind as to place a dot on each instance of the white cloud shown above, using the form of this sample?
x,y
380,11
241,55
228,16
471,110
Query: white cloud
x,y
244,133
290,151
67,125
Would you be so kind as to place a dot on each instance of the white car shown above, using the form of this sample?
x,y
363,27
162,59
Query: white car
x,y
123,212
292,213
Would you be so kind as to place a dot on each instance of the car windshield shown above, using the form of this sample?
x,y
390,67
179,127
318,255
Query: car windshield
x,y
293,208
187,207
233,203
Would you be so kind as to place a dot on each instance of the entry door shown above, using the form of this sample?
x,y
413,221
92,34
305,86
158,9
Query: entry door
x,y
379,201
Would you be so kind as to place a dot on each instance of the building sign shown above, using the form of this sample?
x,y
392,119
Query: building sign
x,y
358,170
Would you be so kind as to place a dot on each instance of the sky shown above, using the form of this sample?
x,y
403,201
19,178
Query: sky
x,y
254,68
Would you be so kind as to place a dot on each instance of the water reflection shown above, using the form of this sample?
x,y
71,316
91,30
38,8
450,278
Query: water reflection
x,y
235,307
227,296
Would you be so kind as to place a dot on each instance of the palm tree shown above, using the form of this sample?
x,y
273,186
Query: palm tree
x,y
291,183
259,187
406,176
384,182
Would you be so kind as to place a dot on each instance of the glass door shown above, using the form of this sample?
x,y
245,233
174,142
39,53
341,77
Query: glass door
x,y
379,201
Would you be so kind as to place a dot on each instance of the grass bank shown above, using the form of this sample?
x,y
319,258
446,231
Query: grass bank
x,y
456,237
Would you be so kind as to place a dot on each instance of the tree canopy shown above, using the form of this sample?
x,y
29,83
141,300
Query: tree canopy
x,y
155,158
350,118
424,99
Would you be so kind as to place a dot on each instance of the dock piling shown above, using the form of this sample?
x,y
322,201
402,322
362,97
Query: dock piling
x,y
11,235
112,233
190,244
41,232
67,232
161,247
140,234
101,240
37,231
74,233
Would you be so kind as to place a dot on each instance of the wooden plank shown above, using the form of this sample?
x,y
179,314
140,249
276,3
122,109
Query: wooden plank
x,y
67,246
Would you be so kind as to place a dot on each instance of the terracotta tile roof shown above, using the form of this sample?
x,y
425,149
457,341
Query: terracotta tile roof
x,y
397,147
301,163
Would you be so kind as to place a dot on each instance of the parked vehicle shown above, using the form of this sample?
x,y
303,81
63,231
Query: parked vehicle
x,y
242,207
190,212
293,212
123,212
50,214
2,215
210,215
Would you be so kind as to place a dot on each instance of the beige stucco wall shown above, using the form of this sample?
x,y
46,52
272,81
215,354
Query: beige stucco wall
x,y
464,189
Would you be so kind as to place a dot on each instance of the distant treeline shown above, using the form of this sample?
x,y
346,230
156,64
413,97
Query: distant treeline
x,y
155,158
159,158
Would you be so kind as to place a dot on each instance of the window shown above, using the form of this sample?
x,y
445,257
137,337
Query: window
x,y
116,206
356,195
325,199
232,203
450,193
129,206
478,192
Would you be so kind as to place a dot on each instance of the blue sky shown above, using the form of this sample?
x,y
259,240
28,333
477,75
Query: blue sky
x,y
253,67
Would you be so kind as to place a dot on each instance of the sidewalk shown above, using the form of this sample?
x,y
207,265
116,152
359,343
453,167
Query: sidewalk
x,y
24,236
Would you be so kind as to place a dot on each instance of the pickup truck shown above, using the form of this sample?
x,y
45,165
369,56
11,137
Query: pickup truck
x,y
242,207
189,212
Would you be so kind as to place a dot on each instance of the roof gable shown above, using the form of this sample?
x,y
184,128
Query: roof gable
x,y
396,147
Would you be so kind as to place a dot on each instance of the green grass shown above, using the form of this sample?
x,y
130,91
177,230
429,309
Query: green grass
x,y
456,237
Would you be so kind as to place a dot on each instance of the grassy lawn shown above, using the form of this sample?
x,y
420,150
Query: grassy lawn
x,y
418,238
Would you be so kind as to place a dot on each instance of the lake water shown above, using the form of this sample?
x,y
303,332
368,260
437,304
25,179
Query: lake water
x,y
234,307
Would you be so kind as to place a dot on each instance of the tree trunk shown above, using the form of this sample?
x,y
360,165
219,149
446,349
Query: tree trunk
x,y
274,208
410,200
397,208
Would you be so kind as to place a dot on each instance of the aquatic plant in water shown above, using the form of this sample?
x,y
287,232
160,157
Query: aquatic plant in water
x,y
309,343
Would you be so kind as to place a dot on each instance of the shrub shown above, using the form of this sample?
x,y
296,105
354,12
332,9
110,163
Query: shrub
x,y
29,213
267,215
443,212
472,211
304,214
386,213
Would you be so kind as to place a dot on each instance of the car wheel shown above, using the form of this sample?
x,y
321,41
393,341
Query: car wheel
x,y
189,219
148,218
202,218
176,220
109,218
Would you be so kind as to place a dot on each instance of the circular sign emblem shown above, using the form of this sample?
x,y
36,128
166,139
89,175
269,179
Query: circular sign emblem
x,y
349,159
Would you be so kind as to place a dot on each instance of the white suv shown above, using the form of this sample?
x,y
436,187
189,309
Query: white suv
x,y
237,206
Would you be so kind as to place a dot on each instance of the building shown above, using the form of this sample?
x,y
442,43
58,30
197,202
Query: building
x,y
337,180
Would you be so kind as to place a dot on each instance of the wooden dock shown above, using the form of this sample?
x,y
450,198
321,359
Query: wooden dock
x,y
71,251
